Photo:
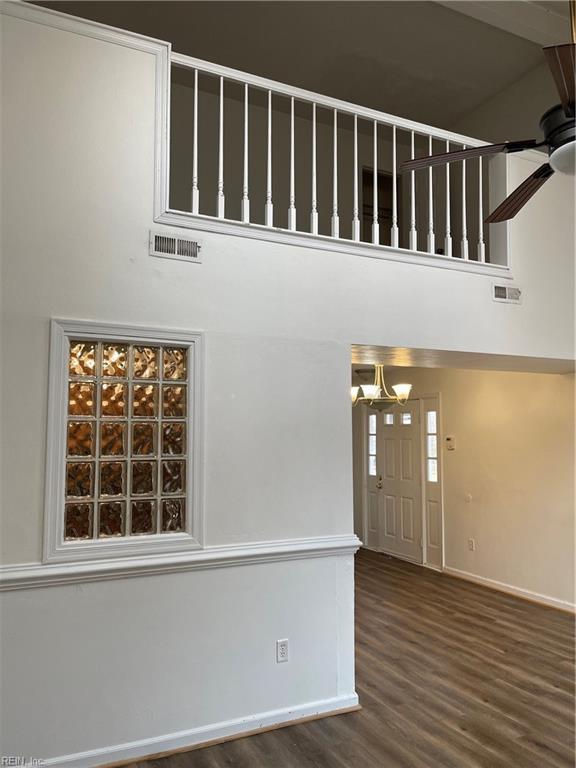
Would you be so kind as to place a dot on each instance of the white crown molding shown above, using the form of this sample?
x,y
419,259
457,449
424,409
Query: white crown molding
x,y
207,734
160,49
32,575
80,26
186,220
500,586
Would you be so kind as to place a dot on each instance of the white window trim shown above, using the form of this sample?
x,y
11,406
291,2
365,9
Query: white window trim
x,y
56,549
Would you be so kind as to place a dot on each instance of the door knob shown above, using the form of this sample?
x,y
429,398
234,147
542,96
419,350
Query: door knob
x,y
379,483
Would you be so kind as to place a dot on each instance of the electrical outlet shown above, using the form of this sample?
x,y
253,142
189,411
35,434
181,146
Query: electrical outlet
x,y
472,545
281,651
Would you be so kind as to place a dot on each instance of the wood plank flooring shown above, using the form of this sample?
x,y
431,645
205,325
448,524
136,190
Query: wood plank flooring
x,y
450,675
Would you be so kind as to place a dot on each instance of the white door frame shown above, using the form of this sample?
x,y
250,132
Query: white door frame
x,y
364,474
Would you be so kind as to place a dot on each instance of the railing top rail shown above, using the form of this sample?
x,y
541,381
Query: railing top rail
x,y
346,107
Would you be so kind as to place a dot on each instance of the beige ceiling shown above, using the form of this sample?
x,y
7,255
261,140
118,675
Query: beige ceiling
x,y
363,355
419,60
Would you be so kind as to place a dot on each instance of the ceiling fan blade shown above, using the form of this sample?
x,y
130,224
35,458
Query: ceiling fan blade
x,y
514,202
466,154
562,62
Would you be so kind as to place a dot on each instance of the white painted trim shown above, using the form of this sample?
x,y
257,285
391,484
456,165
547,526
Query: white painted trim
x,y
500,586
327,102
187,220
207,733
31,575
55,548
158,48
79,26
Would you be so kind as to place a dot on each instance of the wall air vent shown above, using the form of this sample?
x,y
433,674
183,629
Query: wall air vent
x,y
509,294
170,246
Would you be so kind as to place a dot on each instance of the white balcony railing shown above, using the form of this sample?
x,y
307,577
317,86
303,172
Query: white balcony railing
x,y
273,161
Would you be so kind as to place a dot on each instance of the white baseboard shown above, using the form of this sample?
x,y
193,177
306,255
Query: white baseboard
x,y
195,736
527,594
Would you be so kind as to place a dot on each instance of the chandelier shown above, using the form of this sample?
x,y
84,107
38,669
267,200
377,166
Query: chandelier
x,y
377,395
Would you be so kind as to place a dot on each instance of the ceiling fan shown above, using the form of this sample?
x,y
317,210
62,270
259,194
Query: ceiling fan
x,y
558,125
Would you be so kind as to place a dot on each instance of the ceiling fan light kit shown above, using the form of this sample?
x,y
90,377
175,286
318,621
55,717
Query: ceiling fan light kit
x,y
558,124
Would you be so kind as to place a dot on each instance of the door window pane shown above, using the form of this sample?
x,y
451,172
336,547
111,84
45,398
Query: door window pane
x,y
431,422
406,418
432,446
372,466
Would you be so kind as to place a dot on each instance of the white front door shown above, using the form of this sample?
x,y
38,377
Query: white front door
x,y
398,481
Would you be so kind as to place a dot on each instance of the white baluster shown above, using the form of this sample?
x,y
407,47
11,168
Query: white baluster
x,y
464,227
413,233
448,237
314,213
431,237
195,190
220,205
269,210
375,225
481,245
292,208
355,218
335,219
394,229
245,209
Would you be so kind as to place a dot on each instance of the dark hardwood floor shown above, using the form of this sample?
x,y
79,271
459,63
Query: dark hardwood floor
x,y
449,674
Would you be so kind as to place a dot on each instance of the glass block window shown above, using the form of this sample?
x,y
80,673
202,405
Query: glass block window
x,y
122,443
126,440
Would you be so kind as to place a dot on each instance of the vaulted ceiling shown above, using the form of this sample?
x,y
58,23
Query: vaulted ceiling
x,y
430,61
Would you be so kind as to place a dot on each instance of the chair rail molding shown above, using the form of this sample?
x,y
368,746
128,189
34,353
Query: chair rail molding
x,y
32,575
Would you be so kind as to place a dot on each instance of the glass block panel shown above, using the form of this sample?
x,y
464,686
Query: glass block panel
x,y
114,360
81,401
432,446
174,401
431,422
143,517
173,476
112,518
143,438
389,419
174,363
173,515
80,438
146,362
372,444
174,438
372,423
145,400
406,418
432,470
143,478
112,478
78,521
372,466
113,401
82,361
113,438
79,478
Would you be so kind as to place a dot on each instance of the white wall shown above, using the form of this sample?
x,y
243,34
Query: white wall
x,y
78,172
515,457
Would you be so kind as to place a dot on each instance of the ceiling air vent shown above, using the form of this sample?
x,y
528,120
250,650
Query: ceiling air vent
x,y
509,294
169,246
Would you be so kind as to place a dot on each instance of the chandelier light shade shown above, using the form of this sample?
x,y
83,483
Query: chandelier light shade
x,y
402,391
377,395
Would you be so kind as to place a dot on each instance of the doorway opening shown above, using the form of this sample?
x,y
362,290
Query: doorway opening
x,y
402,509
